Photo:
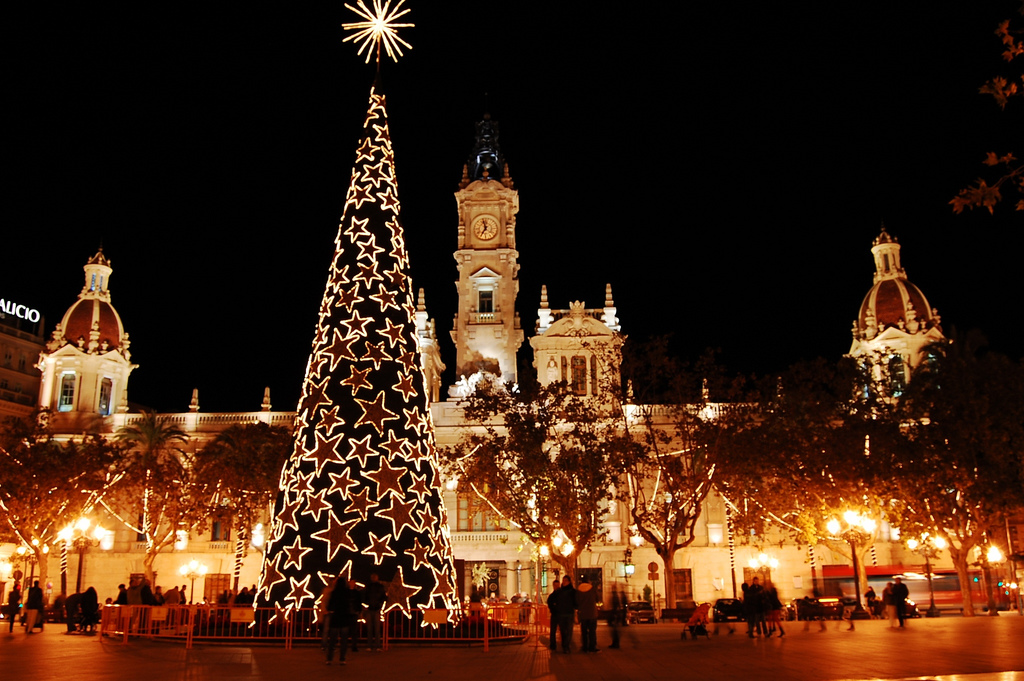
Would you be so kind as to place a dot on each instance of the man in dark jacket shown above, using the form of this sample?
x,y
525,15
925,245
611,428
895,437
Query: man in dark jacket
x,y
586,603
900,592
565,605
374,598
339,612
553,614
34,606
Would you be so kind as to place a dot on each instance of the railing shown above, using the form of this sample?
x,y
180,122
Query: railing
x,y
188,623
485,318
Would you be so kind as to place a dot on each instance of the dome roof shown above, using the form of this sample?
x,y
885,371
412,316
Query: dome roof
x,y
893,301
78,324
890,301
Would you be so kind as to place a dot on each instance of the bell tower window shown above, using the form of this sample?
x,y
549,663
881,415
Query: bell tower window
x,y
66,399
485,302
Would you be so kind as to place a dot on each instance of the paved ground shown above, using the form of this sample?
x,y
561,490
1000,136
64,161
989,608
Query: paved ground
x,y
978,649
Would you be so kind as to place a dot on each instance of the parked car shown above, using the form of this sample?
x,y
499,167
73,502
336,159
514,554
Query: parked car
x,y
640,611
818,608
727,610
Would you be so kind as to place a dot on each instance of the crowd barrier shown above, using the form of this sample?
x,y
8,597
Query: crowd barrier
x,y
218,623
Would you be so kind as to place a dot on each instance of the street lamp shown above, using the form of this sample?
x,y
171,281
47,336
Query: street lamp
x,y
928,547
190,571
988,558
77,536
628,568
858,530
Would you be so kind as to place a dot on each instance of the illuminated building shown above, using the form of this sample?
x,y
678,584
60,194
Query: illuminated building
x,y
21,341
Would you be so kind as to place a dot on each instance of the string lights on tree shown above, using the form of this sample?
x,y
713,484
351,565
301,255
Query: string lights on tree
x,y
361,492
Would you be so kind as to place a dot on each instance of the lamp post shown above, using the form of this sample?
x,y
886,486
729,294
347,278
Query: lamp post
x,y
928,547
190,571
989,557
77,536
858,530
628,568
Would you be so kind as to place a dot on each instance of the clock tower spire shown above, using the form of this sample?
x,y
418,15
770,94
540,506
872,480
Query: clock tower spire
x,y
486,331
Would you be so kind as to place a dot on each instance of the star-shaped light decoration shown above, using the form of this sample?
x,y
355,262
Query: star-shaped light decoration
x,y
361,492
378,27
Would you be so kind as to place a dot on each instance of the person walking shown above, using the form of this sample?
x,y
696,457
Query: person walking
x,y
34,606
338,617
90,610
900,592
870,596
613,618
553,616
13,604
774,605
887,603
586,603
565,600
374,598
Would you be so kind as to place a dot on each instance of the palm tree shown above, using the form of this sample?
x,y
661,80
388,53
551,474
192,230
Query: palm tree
x,y
240,470
158,472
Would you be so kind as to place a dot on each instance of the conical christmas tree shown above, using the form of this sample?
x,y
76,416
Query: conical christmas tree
x,y
361,492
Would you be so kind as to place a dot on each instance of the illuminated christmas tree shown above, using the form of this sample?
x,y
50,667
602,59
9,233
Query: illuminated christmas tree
x,y
361,492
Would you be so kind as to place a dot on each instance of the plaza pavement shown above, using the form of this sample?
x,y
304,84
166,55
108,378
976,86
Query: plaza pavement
x,y
946,649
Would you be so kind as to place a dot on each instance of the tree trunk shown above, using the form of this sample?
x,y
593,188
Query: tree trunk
x,y
959,557
43,563
667,555
147,564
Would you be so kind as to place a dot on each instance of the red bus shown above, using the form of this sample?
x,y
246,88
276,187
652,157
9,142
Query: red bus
x,y
838,582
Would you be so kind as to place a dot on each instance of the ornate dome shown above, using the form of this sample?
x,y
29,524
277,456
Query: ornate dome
x,y
87,315
91,323
893,301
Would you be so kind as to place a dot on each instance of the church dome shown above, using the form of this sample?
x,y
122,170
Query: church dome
x,y
87,314
893,301
91,323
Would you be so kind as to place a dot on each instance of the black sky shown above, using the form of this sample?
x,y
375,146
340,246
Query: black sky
x,y
724,167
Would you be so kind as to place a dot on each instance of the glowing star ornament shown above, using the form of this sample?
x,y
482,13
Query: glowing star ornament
x,y
361,491
378,27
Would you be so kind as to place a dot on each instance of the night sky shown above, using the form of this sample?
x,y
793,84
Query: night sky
x,y
724,167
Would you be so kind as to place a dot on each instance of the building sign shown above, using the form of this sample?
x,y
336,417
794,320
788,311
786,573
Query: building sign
x,y
20,311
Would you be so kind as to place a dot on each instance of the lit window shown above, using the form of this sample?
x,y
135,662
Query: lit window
x,y
486,302
220,530
897,375
593,374
66,401
106,387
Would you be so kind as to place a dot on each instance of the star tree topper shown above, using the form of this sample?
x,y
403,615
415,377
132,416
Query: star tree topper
x,y
378,27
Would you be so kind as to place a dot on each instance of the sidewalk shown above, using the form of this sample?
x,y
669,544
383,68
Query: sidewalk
x,y
977,649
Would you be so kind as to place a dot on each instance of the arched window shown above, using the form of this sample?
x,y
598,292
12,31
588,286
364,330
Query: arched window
x,y
579,375
66,399
106,388
897,375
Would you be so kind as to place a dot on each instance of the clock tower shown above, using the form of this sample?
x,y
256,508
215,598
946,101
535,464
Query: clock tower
x,y
486,330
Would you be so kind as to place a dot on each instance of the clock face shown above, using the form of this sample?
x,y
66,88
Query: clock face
x,y
485,227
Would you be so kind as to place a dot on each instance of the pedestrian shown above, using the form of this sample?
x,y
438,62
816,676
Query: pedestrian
x,y
158,596
90,610
338,617
900,592
172,596
182,597
374,598
122,595
754,607
13,605
774,610
553,616
34,606
613,618
324,613
73,612
870,596
586,604
565,599
887,603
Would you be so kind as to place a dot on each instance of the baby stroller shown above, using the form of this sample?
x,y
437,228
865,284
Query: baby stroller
x,y
698,622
